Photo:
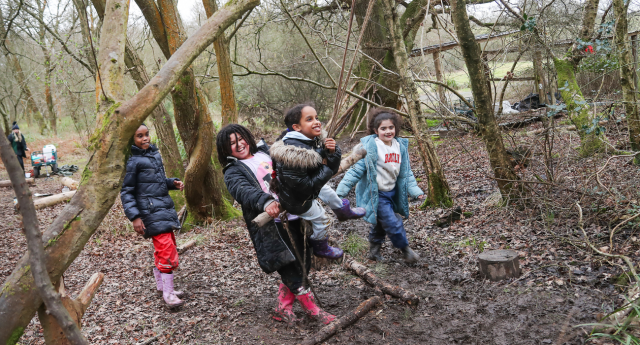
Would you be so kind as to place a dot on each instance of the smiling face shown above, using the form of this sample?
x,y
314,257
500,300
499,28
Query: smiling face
x,y
309,124
386,131
141,139
239,147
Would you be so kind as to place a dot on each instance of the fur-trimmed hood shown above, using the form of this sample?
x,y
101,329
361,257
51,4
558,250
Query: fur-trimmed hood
x,y
294,157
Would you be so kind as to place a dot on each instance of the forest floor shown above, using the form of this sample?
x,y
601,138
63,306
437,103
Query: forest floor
x,y
230,300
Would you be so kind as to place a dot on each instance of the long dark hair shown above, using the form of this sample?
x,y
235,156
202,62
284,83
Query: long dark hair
x,y
292,117
377,115
223,141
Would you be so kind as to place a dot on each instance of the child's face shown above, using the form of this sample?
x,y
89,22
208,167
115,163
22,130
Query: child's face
x,y
141,139
309,124
239,147
386,131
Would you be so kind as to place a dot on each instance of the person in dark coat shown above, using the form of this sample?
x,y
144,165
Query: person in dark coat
x,y
18,143
247,173
147,204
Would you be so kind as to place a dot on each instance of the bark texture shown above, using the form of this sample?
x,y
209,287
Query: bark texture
x,y
627,81
102,178
568,86
48,69
225,72
488,125
204,190
439,194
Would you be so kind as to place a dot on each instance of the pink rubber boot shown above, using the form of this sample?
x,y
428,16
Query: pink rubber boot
x,y
284,310
158,276
167,291
311,308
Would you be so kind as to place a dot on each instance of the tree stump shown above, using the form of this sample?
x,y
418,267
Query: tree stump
x,y
499,264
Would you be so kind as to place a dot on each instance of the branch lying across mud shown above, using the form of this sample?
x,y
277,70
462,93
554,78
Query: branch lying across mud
x,y
329,330
395,291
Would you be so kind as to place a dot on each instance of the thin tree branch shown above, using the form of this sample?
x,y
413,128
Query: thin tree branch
x,y
308,44
448,88
238,25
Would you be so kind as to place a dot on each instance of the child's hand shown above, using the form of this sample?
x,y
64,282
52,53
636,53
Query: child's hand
x,y
138,226
421,197
178,184
273,209
330,144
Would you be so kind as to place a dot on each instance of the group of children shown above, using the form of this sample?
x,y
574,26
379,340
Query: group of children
x,y
285,181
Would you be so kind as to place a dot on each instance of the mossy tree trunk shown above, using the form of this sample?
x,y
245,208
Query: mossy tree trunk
x,y
102,178
48,68
488,125
627,80
579,112
225,72
439,194
204,192
376,44
540,79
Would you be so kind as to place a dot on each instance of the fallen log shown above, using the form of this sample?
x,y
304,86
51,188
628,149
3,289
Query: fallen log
x,y
363,272
52,332
346,163
183,248
329,330
69,182
53,200
7,183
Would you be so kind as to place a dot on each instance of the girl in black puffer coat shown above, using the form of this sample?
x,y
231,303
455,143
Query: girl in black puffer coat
x,y
147,204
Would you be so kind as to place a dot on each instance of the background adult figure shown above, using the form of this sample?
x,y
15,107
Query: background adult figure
x,y
18,143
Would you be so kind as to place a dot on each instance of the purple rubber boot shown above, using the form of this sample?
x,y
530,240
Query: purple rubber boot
x,y
346,212
170,298
324,250
158,276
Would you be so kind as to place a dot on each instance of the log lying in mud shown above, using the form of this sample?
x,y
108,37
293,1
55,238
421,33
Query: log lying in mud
x,y
7,183
52,332
346,163
499,264
363,272
69,182
53,200
329,330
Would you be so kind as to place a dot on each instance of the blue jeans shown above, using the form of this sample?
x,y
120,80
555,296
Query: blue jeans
x,y
388,223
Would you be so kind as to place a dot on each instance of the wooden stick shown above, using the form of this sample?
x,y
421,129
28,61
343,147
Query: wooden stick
x,y
53,200
395,291
356,155
69,182
329,330
7,183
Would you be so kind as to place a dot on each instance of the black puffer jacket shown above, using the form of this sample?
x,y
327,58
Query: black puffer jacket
x,y
271,245
299,167
19,147
145,192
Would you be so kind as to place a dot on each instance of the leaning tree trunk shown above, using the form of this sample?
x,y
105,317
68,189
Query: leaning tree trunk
x,y
376,44
204,191
225,73
580,112
626,75
488,125
439,194
102,178
161,119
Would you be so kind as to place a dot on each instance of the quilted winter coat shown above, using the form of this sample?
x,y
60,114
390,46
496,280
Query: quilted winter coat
x,y
298,163
145,192
364,173
272,244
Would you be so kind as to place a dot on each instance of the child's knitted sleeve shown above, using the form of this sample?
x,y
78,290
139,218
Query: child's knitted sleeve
x,y
128,192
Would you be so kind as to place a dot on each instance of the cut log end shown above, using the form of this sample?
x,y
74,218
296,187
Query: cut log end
x,y
499,264
7,183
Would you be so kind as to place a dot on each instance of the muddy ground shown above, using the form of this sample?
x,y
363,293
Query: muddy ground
x,y
563,284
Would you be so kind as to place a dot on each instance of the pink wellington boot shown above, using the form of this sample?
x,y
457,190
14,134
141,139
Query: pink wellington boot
x,y
309,305
167,291
158,276
284,310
